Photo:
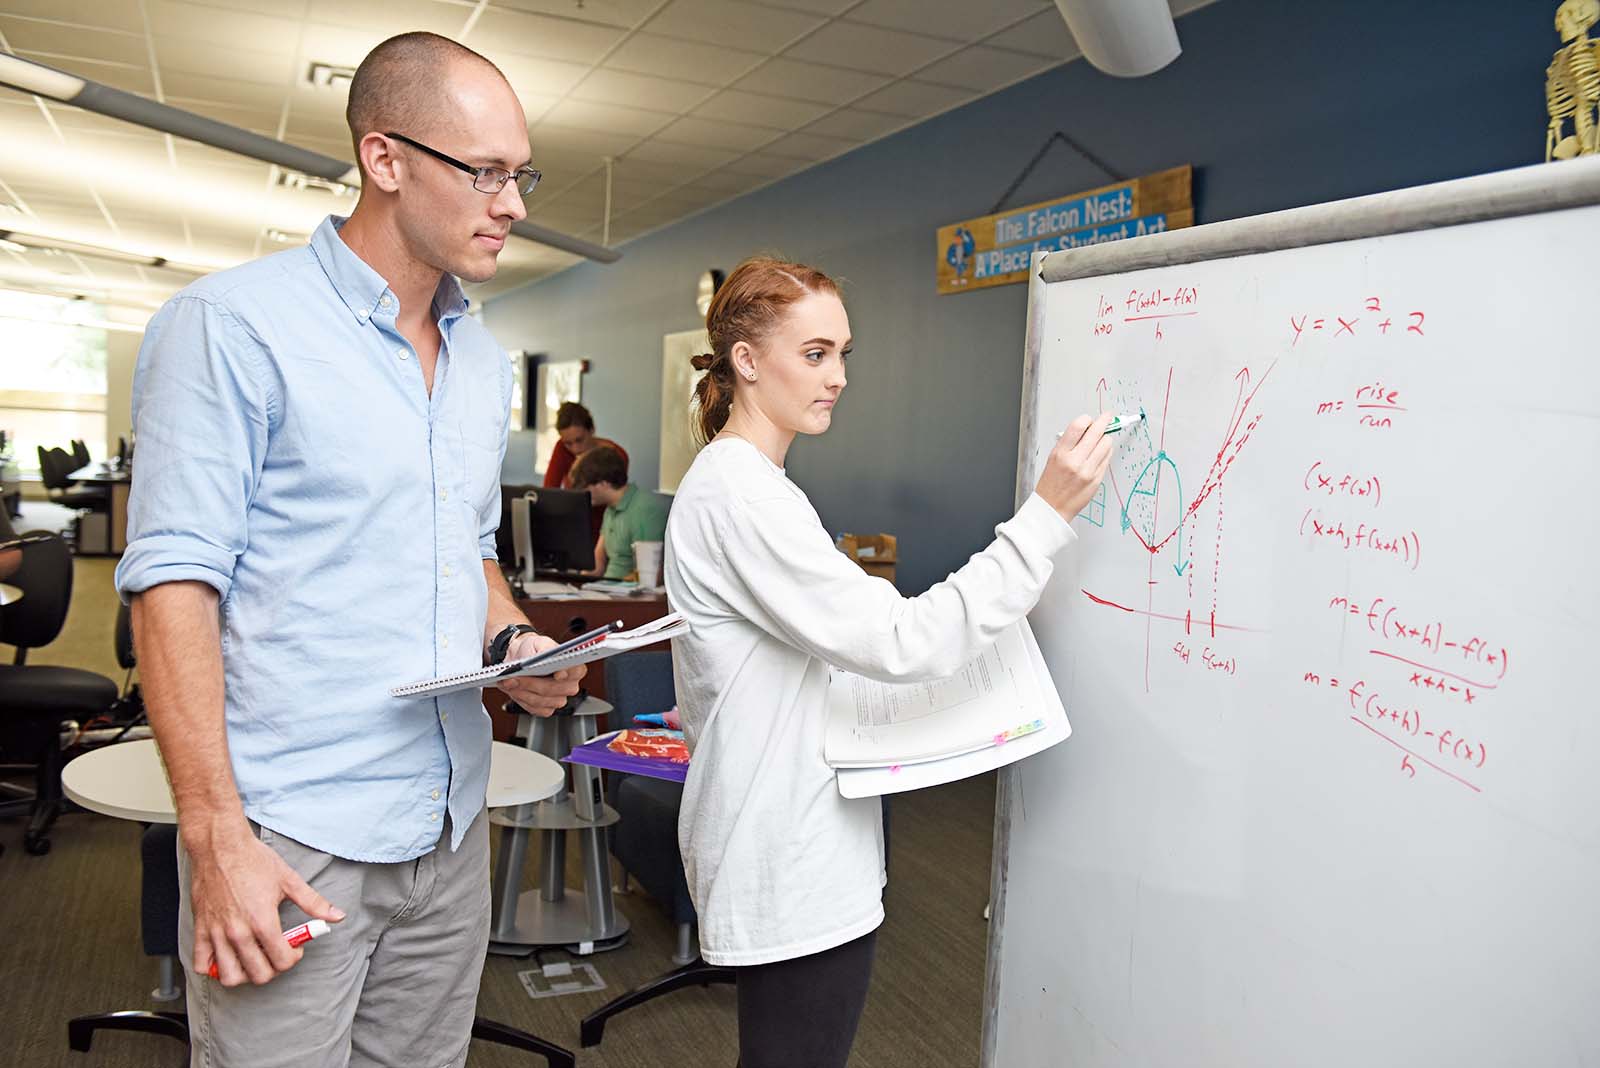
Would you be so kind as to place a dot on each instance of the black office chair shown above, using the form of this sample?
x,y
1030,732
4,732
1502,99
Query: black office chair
x,y
645,840
34,699
55,469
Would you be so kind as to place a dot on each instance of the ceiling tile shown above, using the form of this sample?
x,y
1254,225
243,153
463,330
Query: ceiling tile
x,y
915,99
651,172
340,46
728,183
959,21
229,91
1045,34
723,22
61,39
594,143
810,81
82,12
983,69
301,127
810,147
764,166
718,134
607,118
541,77
389,16
696,157
620,87
624,13
761,109
175,20
668,58
857,124
542,36
816,7
186,56
869,48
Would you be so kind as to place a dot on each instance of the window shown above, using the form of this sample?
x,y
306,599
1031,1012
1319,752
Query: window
x,y
52,376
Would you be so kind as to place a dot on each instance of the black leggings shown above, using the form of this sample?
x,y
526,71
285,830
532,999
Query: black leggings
x,y
803,1013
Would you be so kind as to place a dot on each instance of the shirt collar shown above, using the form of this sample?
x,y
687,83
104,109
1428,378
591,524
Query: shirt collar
x,y
363,289
627,498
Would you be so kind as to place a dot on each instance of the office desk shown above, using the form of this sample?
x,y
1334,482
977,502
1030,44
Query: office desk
x,y
121,484
563,619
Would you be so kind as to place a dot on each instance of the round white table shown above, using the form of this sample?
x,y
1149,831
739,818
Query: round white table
x,y
9,594
127,780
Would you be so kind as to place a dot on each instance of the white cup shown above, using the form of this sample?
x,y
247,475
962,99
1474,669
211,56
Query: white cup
x,y
647,556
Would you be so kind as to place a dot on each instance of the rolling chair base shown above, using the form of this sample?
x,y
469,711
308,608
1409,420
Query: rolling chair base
x,y
80,1033
696,973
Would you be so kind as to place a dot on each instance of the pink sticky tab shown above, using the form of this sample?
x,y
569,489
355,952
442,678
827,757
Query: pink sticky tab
x,y
1000,739
894,769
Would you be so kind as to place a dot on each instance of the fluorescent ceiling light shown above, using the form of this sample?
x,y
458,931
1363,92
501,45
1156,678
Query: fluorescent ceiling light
x,y
51,246
38,78
31,77
1124,38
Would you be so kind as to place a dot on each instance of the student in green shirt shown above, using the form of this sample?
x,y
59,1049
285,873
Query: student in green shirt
x,y
632,514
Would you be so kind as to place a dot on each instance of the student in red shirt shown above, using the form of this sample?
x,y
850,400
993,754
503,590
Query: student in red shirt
x,y
576,427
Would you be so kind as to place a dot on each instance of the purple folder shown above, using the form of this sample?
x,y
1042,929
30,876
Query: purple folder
x,y
597,754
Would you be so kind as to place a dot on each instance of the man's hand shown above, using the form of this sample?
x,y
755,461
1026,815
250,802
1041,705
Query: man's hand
x,y
236,883
539,696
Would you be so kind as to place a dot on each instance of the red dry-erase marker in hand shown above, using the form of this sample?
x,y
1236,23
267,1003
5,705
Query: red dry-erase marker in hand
x,y
295,936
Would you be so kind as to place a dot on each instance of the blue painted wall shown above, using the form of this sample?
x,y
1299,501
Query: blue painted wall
x,y
1276,103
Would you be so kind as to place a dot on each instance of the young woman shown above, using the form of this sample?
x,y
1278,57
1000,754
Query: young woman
x,y
786,874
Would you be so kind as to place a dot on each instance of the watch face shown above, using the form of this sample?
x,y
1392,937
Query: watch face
x,y
710,282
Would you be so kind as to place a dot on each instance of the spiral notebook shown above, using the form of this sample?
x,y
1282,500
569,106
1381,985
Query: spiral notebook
x,y
586,648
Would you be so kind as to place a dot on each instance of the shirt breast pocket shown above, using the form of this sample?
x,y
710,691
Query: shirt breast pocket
x,y
480,467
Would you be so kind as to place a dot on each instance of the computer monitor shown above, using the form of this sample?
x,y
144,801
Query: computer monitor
x,y
504,548
559,530
544,530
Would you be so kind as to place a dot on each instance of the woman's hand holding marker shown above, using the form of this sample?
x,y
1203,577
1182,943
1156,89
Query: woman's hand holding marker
x,y
1075,467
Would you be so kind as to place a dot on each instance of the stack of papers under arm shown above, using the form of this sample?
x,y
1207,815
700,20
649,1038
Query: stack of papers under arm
x,y
1002,706
666,628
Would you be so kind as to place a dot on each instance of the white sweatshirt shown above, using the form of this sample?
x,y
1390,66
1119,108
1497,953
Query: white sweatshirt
x,y
778,863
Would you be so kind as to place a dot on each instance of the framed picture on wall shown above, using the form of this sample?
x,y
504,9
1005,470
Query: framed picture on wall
x,y
551,383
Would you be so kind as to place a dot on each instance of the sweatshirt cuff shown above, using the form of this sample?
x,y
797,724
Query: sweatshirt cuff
x,y
1038,526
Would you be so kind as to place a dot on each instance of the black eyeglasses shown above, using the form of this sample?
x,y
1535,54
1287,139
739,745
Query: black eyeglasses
x,y
484,179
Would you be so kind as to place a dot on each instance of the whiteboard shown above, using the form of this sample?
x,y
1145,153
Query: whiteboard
x,y
678,407
1327,641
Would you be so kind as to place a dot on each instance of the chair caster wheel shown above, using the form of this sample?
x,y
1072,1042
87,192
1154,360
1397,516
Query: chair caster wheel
x,y
36,844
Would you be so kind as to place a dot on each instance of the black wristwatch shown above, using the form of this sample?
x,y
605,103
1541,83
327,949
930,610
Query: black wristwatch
x,y
497,647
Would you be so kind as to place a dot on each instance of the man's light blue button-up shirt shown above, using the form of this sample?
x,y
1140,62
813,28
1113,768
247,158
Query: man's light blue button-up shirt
x,y
290,455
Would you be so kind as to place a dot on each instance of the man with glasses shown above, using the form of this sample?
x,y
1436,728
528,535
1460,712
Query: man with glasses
x,y
312,522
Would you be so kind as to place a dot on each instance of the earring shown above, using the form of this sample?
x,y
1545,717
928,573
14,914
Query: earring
x,y
750,376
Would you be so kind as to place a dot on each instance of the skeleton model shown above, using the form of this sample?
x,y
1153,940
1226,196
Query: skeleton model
x,y
1572,83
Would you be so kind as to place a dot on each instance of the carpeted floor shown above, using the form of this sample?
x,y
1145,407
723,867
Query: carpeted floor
x,y
72,942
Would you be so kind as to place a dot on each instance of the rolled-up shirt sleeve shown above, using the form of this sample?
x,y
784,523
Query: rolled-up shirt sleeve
x,y
202,409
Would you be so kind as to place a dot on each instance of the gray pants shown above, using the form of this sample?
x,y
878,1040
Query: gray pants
x,y
394,984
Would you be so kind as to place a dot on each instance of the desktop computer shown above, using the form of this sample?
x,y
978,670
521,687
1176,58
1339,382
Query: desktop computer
x,y
546,532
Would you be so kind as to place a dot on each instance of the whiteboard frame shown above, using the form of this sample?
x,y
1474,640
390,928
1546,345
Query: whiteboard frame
x,y
1529,190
